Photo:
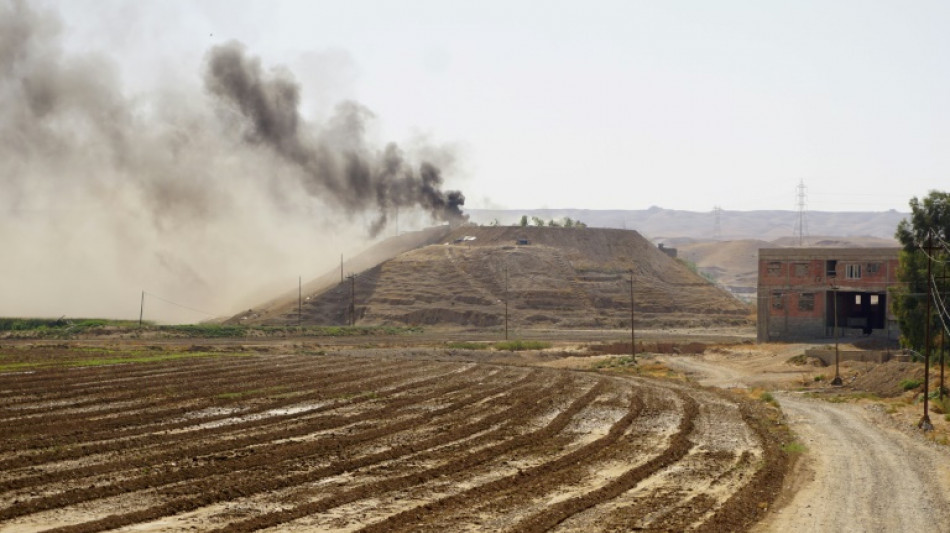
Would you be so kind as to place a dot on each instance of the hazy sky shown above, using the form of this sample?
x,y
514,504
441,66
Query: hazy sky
x,y
597,104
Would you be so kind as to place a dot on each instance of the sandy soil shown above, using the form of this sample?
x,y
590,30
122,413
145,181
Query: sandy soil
x,y
859,473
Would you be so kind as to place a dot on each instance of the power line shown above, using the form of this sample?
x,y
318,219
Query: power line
x,y
801,213
157,297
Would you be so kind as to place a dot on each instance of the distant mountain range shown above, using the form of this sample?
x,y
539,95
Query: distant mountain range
x,y
657,223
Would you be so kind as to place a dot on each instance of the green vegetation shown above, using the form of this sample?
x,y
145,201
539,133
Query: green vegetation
x,y
695,269
909,384
74,325
767,397
819,378
566,222
794,447
517,346
100,357
68,328
929,224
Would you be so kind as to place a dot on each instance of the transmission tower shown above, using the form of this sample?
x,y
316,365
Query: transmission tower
x,y
717,225
802,227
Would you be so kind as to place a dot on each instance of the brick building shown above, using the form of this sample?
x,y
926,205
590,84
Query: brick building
x,y
800,290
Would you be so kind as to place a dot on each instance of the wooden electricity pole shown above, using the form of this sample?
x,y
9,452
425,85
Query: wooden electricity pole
x,y
834,294
506,302
633,335
925,423
352,299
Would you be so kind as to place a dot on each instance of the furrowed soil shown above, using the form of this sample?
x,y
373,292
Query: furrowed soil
x,y
401,439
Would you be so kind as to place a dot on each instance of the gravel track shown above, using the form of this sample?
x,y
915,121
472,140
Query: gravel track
x,y
863,478
858,474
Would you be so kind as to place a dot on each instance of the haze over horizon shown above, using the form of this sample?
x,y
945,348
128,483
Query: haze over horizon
x,y
133,160
684,105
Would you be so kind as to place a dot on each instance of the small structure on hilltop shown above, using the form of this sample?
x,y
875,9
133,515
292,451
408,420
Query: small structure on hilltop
x,y
804,293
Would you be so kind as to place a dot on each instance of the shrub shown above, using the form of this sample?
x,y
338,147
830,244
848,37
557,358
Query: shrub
x,y
794,447
515,346
910,384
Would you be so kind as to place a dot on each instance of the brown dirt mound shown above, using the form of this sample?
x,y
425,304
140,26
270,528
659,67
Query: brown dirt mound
x,y
885,379
563,277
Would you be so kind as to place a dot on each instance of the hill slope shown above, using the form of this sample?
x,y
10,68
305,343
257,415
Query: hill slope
x,y
563,277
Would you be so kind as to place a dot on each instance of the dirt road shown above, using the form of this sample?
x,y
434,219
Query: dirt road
x,y
858,475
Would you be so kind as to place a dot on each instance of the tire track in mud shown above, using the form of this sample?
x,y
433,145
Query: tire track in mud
x,y
527,481
297,450
219,439
677,447
204,390
453,466
103,443
213,491
33,403
100,380
440,444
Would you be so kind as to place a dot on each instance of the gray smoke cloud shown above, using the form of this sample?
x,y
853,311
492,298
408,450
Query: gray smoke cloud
x,y
204,193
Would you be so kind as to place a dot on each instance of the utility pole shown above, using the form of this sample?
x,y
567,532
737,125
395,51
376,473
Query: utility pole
x,y
341,268
834,294
506,302
633,336
943,335
299,300
141,309
925,423
352,278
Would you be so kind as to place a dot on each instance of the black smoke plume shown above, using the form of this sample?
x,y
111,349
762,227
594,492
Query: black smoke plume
x,y
336,163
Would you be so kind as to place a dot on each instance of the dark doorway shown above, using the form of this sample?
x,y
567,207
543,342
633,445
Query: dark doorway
x,y
857,310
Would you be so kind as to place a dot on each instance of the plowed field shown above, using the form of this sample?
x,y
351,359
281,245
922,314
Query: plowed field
x,y
371,441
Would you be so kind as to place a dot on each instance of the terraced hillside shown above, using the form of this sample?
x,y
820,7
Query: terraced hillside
x,y
555,277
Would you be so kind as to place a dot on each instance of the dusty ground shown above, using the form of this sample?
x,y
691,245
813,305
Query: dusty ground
x,y
865,467
161,438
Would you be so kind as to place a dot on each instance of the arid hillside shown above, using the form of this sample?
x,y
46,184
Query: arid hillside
x,y
549,276
733,264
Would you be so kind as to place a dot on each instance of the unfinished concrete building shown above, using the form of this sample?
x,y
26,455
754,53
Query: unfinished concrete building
x,y
804,292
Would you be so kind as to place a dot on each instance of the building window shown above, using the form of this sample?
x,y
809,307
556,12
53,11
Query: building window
x,y
775,268
801,270
852,272
857,299
875,299
831,268
806,301
874,268
778,301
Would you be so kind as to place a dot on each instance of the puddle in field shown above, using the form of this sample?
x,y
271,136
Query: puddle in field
x,y
217,411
